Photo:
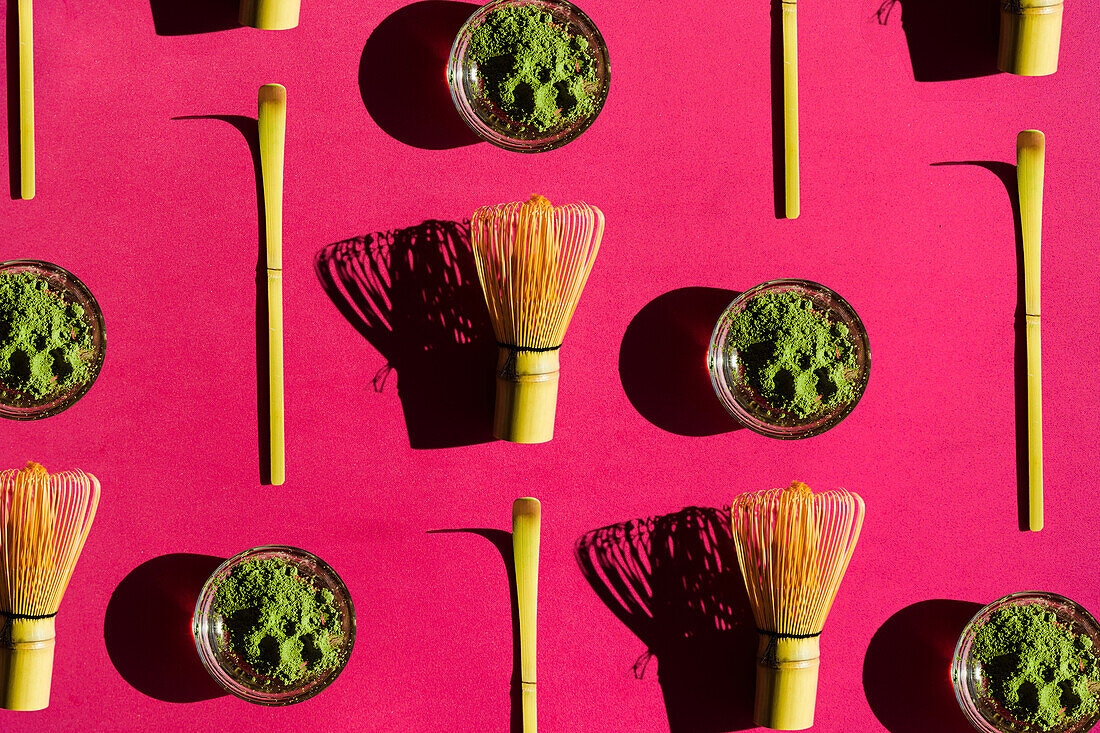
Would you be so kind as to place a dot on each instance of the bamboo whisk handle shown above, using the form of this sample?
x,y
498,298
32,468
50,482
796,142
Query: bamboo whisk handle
x,y
26,663
270,15
1031,33
786,682
526,395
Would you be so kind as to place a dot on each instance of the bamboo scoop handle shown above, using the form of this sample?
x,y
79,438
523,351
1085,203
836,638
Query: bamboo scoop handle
x,y
26,100
1030,160
272,127
526,524
790,107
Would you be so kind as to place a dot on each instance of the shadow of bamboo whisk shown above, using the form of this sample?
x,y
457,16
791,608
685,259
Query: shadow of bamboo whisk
x,y
674,581
413,294
418,280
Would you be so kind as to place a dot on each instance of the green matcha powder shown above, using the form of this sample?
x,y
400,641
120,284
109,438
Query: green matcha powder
x,y
1038,669
277,622
42,338
533,70
794,357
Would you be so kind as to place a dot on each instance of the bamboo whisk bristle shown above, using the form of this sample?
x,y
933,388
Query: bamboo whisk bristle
x,y
793,547
533,260
44,521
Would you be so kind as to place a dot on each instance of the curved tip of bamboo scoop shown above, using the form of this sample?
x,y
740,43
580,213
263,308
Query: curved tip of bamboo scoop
x,y
273,93
527,506
1030,139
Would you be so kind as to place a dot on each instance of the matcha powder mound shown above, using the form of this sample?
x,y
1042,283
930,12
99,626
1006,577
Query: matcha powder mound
x,y
794,357
277,622
533,70
1038,669
42,338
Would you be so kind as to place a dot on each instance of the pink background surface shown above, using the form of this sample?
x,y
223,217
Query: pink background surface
x,y
158,216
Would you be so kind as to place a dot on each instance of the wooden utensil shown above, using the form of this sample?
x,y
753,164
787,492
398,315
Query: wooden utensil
x,y
533,260
1030,162
270,15
790,108
793,547
26,100
44,521
1031,33
526,525
272,127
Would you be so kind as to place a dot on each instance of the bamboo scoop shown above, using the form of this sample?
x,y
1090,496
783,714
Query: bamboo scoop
x,y
272,126
790,107
1030,160
26,101
526,523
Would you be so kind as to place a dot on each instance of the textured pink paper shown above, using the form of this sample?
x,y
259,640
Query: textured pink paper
x,y
158,217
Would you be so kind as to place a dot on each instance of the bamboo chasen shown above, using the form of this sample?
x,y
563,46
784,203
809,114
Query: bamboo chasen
x,y
44,521
533,260
793,547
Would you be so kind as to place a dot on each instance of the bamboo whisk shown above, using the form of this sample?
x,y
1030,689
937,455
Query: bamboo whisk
x,y
793,547
533,260
526,526
44,520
